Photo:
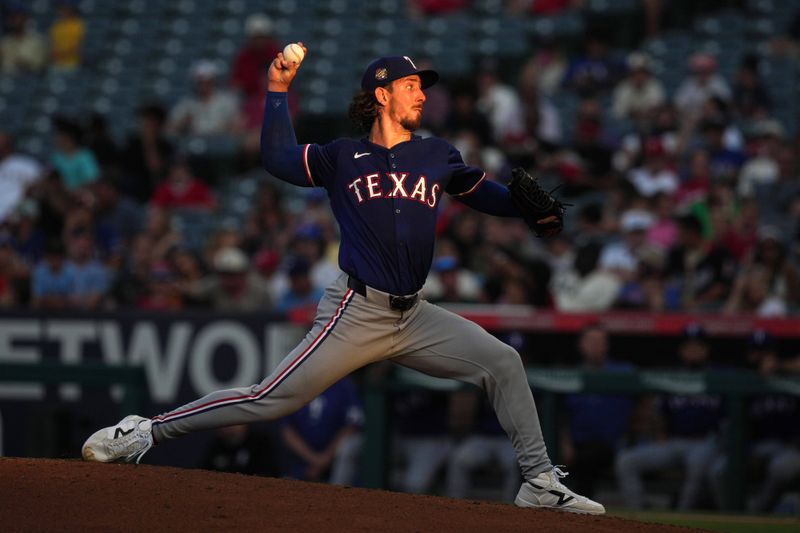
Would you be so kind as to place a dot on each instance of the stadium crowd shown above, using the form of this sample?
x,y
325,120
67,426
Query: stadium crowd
x,y
683,201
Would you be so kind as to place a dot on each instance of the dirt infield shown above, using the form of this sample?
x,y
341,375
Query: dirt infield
x,y
50,495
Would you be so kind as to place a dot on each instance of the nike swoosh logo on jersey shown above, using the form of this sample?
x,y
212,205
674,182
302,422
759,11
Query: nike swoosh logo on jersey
x,y
357,155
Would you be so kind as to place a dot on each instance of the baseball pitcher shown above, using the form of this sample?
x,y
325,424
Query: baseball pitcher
x,y
384,191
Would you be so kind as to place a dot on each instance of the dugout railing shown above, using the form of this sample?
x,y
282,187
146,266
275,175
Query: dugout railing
x,y
549,385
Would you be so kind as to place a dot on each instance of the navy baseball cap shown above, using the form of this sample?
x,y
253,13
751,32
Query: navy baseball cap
x,y
384,70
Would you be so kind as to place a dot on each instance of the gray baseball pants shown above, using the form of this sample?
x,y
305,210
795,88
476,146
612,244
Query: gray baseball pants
x,y
351,331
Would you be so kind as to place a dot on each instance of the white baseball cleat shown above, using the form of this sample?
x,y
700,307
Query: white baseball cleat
x,y
127,441
546,490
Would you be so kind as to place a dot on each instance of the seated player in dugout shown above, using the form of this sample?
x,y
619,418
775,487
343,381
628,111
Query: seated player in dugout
x,y
384,191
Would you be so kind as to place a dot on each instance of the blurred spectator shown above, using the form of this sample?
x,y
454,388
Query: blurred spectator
x,y
233,286
28,237
437,100
17,173
159,230
12,272
53,279
450,283
501,105
301,293
542,121
80,220
663,233
22,49
267,223
592,146
74,162
422,438
146,155
102,145
596,70
774,431
242,450
689,424
656,175
725,161
133,279
762,167
90,277
699,273
123,216
584,287
189,273
181,190
466,115
596,423
254,57
324,437
266,262
161,292
622,257
308,244
251,115
547,65
209,111
695,179
768,283
702,84
751,99
485,445
640,93
66,36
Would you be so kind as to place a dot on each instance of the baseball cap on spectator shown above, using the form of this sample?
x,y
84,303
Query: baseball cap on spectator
x,y
308,231
205,69
761,341
768,128
385,70
694,331
258,25
230,261
770,233
636,220
266,261
639,61
445,263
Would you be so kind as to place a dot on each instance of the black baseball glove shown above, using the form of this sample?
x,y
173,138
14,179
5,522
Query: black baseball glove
x,y
540,209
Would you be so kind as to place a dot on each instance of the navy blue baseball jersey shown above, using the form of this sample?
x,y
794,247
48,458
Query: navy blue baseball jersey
x,y
386,200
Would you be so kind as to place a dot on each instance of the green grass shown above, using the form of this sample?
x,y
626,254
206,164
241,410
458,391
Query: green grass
x,y
719,522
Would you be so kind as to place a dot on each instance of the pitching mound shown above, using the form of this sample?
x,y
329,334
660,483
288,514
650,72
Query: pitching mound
x,y
46,495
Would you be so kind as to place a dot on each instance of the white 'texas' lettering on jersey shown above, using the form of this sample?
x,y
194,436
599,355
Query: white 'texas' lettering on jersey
x,y
371,185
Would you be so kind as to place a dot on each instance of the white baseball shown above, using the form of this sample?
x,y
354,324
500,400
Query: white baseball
x,y
293,53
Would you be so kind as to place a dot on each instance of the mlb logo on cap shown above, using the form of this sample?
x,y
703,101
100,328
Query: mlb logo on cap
x,y
385,70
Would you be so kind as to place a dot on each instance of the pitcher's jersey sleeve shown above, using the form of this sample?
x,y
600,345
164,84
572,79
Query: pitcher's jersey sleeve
x,y
319,161
463,179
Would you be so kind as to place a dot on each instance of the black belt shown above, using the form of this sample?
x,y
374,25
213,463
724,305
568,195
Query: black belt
x,y
398,303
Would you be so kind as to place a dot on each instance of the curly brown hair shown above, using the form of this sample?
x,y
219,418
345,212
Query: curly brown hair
x,y
363,110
